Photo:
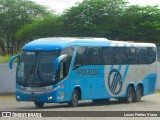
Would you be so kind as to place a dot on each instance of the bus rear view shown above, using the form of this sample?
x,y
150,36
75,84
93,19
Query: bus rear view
x,y
66,70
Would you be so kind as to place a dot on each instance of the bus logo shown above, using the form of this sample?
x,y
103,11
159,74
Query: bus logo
x,y
115,81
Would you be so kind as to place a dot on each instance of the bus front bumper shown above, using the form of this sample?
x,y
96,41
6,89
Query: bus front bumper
x,y
34,97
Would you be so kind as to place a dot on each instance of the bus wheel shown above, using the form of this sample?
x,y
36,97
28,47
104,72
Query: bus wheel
x,y
74,101
138,94
130,94
39,104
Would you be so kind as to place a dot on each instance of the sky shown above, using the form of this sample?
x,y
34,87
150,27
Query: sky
x,y
60,5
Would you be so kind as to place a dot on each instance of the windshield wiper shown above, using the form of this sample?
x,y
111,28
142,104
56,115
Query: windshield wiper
x,y
30,73
37,75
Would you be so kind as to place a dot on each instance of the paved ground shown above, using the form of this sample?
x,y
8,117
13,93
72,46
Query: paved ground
x,y
148,103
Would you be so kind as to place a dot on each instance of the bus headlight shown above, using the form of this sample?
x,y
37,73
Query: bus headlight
x,y
18,97
50,98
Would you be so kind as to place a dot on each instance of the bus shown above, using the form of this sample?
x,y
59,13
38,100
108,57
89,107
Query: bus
x,y
67,70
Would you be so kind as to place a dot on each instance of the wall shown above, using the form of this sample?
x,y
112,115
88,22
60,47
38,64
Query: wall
x,y
7,78
158,72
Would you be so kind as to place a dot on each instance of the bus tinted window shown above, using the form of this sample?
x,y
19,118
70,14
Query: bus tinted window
x,y
88,56
94,56
142,55
152,55
114,55
108,56
132,56
120,55
81,57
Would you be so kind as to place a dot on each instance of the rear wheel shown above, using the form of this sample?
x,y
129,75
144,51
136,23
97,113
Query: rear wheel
x,y
39,104
130,94
74,101
138,94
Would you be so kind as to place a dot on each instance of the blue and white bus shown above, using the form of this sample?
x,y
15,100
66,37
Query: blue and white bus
x,y
66,70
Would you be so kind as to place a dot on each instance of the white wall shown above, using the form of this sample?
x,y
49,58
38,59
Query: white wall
x,y
158,80
7,78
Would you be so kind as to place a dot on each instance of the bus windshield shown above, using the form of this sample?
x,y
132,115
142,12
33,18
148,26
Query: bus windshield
x,y
36,68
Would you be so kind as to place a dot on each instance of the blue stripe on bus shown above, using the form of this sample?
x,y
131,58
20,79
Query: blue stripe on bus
x,y
119,68
112,66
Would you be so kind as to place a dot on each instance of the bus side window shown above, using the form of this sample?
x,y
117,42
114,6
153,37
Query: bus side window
x,y
81,57
142,55
108,56
132,55
152,54
94,55
121,55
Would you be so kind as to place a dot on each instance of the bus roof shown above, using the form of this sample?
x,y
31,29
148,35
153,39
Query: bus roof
x,y
57,43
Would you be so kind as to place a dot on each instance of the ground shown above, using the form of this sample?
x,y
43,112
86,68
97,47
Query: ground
x,y
148,103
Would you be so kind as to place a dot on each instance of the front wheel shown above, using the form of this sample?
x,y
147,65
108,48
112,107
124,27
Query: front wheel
x,y
74,100
39,104
130,95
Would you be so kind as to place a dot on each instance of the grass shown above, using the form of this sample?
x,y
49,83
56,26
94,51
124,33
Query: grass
x,y
158,91
7,95
5,59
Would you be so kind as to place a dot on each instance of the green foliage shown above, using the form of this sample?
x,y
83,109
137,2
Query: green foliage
x,y
13,15
94,18
141,23
5,59
23,20
43,27
113,19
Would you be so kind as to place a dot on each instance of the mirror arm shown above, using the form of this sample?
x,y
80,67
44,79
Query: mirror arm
x,y
12,59
56,63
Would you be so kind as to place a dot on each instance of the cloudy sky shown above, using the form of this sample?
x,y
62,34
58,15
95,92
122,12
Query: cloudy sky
x,y
60,5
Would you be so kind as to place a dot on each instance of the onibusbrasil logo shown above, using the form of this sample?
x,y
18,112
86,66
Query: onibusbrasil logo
x,y
115,81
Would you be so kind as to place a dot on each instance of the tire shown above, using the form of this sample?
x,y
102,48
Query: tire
x,y
74,100
138,94
39,104
130,95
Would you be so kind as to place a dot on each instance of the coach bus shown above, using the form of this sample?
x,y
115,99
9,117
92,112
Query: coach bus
x,y
66,70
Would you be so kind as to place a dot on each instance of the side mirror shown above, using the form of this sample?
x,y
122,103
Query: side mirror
x,y
57,61
12,59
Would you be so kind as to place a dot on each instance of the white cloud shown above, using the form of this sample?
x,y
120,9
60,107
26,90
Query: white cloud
x,y
60,5
144,2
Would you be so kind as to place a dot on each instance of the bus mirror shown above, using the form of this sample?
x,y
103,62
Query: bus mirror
x,y
57,61
12,59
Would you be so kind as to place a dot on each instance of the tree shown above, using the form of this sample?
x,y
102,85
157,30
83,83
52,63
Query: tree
x,y
113,19
13,15
141,23
48,26
94,18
